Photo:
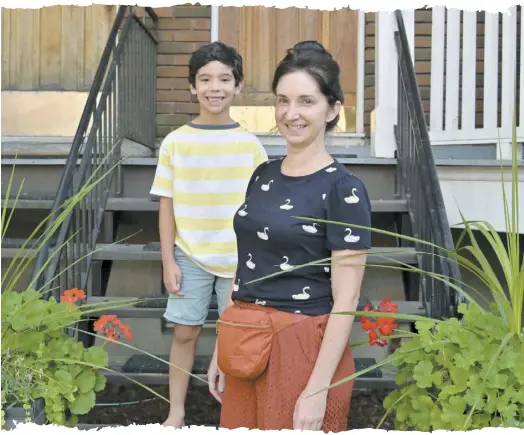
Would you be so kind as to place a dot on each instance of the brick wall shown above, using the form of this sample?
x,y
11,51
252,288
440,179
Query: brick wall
x,y
182,30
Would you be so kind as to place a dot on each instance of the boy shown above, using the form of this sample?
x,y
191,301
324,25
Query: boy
x,y
201,178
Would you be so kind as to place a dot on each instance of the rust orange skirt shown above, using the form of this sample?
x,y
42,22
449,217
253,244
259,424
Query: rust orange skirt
x,y
268,403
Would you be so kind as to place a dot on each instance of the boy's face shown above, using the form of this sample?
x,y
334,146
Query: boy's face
x,y
215,87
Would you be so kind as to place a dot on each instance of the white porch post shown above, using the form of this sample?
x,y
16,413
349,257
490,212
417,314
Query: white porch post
x,y
214,23
383,144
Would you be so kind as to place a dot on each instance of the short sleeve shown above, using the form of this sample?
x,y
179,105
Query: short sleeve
x,y
163,181
348,202
260,154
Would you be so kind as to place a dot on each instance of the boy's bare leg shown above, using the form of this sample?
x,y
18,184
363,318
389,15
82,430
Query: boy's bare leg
x,y
182,355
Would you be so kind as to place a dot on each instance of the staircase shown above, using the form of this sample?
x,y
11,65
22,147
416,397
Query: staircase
x,y
118,122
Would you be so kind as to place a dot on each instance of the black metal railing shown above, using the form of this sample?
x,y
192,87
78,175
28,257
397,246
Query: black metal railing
x,y
120,104
421,187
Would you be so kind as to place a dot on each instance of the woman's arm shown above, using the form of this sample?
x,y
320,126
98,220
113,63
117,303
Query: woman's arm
x,y
347,271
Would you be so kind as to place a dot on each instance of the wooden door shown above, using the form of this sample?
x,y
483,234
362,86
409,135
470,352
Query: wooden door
x,y
262,36
53,48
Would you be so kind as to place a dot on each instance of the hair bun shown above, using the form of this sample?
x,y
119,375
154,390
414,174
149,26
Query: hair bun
x,y
310,46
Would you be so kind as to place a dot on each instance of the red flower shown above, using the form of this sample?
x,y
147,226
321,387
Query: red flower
x,y
72,296
386,306
387,329
367,325
374,339
113,327
385,325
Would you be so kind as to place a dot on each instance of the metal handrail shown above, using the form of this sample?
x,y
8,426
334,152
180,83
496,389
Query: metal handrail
x,y
101,124
421,186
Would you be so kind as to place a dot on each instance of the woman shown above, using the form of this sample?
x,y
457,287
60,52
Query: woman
x,y
276,342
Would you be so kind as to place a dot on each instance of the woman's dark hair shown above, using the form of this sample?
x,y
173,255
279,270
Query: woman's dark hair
x,y
216,51
313,58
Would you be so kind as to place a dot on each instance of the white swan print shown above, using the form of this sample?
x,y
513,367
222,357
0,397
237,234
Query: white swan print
x,y
285,265
331,169
310,228
286,205
265,187
302,296
259,302
236,286
249,263
353,198
326,269
243,212
263,234
297,312
349,238
256,179
323,196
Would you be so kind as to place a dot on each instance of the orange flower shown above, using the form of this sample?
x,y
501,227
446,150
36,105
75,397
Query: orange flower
x,y
367,325
387,329
111,325
386,306
374,340
72,296
386,325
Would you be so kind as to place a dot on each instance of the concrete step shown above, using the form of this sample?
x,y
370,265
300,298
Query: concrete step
x,y
45,202
41,176
151,252
154,307
150,371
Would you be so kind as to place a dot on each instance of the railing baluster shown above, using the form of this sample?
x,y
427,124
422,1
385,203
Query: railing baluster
x,y
118,105
421,184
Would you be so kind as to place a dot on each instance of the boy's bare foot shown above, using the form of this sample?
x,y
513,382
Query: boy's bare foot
x,y
176,422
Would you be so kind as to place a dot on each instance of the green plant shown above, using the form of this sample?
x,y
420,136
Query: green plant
x,y
40,360
40,356
467,373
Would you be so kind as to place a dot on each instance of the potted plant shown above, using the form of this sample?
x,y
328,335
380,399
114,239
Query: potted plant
x,y
459,373
47,375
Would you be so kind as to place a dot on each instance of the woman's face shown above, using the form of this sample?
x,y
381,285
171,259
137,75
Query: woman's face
x,y
302,111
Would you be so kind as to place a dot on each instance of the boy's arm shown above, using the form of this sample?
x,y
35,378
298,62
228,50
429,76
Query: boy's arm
x,y
163,187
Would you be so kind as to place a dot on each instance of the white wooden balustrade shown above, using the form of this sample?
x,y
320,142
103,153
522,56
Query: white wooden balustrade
x,y
454,72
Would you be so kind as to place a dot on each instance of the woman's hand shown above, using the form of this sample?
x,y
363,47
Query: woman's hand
x,y
216,379
310,411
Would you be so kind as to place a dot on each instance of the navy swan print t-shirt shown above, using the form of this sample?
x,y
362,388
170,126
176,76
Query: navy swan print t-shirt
x,y
270,238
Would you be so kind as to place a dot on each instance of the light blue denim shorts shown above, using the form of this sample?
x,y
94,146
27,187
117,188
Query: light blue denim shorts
x,y
197,286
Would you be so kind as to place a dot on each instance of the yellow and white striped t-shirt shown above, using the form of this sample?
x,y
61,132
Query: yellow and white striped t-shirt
x,y
206,169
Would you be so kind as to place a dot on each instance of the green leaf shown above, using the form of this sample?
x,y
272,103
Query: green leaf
x,y
83,403
86,381
459,377
402,377
100,383
97,356
73,421
64,381
10,303
453,411
499,381
422,374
